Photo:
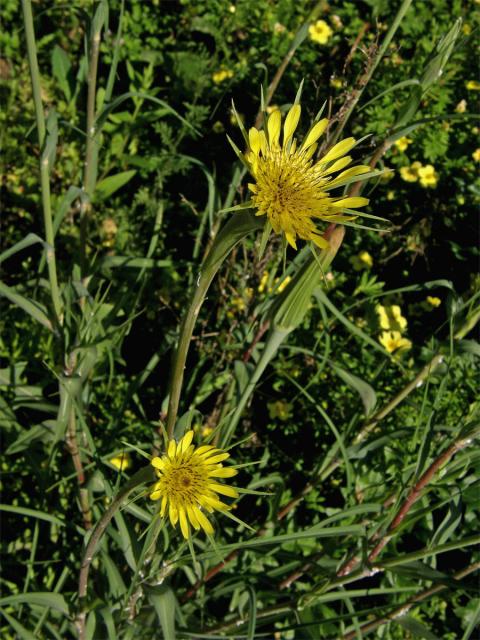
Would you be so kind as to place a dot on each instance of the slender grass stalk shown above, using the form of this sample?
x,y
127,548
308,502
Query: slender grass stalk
x,y
91,151
44,163
371,69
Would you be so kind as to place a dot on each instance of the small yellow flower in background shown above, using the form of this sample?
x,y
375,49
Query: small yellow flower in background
x,y
433,301
393,341
461,106
232,8
390,195
390,317
427,176
206,431
122,461
263,282
290,188
476,155
361,261
320,32
467,29
387,175
187,483
109,231
410,174
221,75
336,83
283,284
278,28
279,409
472,85
271,108
402,143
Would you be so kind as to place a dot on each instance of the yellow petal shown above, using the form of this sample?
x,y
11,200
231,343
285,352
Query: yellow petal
x,y
310,151
263,142
186,441
164,506
184,523
172,449
173,513
192,517
291,239
203,521
203,449
340,149
215,459
291,123
336,166
273,127
214,503
349,173
315,133
351,203
155,495
254,140
320,241
223,489
223,472
158,463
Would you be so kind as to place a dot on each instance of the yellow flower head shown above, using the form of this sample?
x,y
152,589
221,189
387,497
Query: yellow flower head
x,y
473,85
393,341
461,106
187,483
390,317
362,261
433,301
476,155
122,461
320,32
290,188
279,409
221,75
282,284
402,143
410,174
427,176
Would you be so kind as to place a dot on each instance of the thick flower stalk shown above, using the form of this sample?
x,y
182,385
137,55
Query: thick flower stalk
x,y
188,483
291,188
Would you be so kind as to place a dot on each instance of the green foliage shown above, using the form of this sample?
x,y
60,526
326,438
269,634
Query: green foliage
x,y
326,415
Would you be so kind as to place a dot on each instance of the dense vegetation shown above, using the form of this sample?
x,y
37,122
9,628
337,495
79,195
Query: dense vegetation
x,y
351,399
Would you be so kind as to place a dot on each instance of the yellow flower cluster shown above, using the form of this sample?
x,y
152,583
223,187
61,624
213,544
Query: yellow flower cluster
x,y
221,75
238,304
425,174
393,324
320,32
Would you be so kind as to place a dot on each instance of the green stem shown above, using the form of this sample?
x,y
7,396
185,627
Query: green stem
x,y
239,226
370,71
146,474
44,166
91,152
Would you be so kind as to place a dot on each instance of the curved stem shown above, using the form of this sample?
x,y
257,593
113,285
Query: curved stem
x,y
239,226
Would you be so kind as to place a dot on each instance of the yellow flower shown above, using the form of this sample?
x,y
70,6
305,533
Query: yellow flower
x,y
362,261
283,284
206,431
279,409
390,195
320,32
263,282
390,317
271,108
187,483
221,75
473,85
402,143
427,175
476,155
290,188
336,83
393,341
433,301
410,174
467,29
122,461
461,106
